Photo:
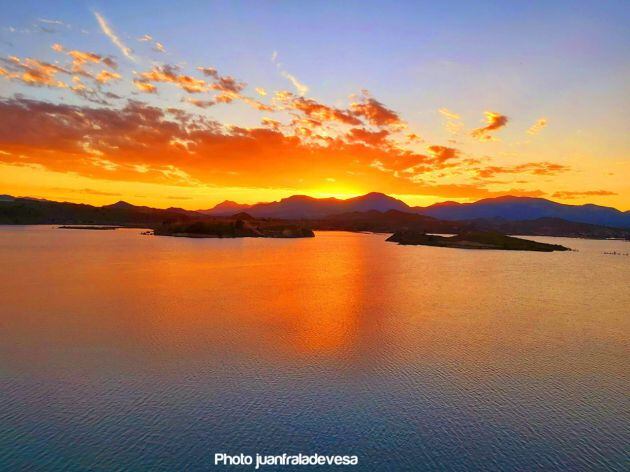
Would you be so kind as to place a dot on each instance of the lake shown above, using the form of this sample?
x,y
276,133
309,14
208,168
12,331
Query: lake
x,y
120,351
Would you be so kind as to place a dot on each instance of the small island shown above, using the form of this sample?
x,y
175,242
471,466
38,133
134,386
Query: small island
x,y
90,227
474,240
239,226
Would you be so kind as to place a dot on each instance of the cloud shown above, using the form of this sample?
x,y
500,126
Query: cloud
x,y
86,190
445,112
535,168
127,52
363,143
208,71
81,58
201,103
228,84
139,142
50,22
230,89
452,121
316,110
157,46
567,195
375,112
413,138
34,72
222,83
538,126
170,74
145,87
442,153
49,26
494,121
257,105
271,123
372,138
105,76
299,86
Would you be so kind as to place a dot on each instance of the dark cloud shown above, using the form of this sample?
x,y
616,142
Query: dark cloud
x,y
494,121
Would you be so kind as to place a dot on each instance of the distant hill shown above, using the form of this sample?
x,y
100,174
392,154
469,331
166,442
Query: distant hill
x,y
226,208
303,207
31,211
393,220
526,208
508,207
388,222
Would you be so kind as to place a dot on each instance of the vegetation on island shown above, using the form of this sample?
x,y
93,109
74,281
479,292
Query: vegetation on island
x,y
242,227
474,240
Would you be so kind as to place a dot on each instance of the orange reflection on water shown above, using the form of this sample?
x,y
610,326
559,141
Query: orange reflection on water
x,y
124,301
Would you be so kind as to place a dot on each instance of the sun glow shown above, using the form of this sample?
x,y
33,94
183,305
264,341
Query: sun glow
x,y
97,117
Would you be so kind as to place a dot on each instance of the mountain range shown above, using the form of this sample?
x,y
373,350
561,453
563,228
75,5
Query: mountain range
x,y
508,207
372,212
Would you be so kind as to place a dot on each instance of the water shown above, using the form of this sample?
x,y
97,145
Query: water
x,y
127,352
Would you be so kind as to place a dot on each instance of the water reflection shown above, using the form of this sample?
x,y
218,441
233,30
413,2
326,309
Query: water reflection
x,y
338,341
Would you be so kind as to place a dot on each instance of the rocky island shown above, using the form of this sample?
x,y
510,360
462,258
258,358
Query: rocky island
x,y
240,226
474,240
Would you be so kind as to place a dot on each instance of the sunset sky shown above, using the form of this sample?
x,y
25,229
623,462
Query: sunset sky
x,y
190,103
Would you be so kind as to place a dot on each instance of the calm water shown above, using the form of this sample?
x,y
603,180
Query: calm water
x,y
127,352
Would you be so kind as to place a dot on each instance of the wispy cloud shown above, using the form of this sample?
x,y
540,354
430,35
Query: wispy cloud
x,y
128,53
583,193
50,22
534,168
446,113
536,127
301,88
157,46
452,121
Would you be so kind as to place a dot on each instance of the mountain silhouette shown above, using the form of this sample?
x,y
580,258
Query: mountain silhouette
x,y
225,208
507,207
304,207
527,208
371,212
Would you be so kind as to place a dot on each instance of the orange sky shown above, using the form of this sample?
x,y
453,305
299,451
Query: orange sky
x,y
99,126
